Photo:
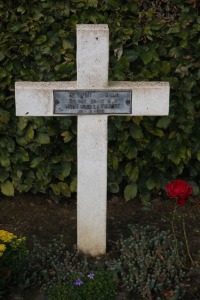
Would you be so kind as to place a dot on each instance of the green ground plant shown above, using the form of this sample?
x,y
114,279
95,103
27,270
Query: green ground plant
x,y
13,254
99,285
151,265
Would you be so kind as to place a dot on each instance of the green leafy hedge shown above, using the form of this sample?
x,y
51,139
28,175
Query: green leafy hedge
x,y
149,40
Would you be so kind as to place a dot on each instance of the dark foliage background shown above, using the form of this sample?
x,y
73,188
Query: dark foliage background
x,y
149,41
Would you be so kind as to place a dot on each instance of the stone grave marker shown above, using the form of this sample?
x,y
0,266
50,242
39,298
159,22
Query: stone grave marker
x,y
92,98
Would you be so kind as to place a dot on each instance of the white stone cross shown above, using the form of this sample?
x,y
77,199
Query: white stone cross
x,y
38,99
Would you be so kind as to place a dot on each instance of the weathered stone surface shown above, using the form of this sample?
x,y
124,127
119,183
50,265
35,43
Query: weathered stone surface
x,y
36,98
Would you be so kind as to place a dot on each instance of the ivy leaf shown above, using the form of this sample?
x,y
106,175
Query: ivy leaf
x,y
198,155
4,116
3,73
7,188
64,67
131,152
67,44
174,157
73,185
3,175
145,198
115,162
43,138
130,191
146,57
137,120
165,68
22,123
29,135
150,183
36,161
136,132
63,170
2,56
20,155
131,55
21,9
67,136
132,171
41,39
194,186
64,189
92,3
113,187
163,122
55,189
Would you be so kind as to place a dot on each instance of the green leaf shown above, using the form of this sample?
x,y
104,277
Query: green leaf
x,y
55,189
3,175
64,189
92,3
130,191
21,9
131,152
41,39
134,7
131,55
165,68
198,155
137,120
194,186
29,135
156,132
146,57
30,177
113,187
73,185
115,162
163,122
36,161
2,56
20,155
21,141
67,44
145,198
22,123
174,28
150,183
175,158
43,138
63,170
136,132
64,67
7,188
67,136
37,15
132,171
4,116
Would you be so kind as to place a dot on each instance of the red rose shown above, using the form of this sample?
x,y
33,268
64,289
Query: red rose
x,y
179,189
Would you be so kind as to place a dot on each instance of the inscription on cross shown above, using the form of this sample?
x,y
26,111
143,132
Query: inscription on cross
x,y
92,98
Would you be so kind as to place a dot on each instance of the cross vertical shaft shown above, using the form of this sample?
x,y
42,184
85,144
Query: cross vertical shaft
x,y
92,72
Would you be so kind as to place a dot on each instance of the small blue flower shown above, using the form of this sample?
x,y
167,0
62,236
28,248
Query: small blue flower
x,y
78,282
91,275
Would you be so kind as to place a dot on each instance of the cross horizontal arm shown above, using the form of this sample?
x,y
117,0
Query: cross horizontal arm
x,y
36,98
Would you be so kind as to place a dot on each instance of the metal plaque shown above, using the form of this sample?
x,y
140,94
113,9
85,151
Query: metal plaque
x,y
80,102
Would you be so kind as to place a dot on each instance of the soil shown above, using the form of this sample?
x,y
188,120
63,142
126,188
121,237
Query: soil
x,y
28,215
